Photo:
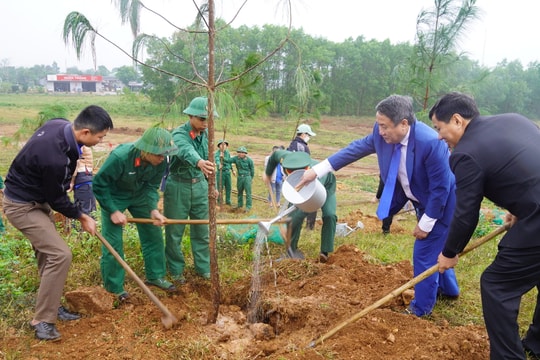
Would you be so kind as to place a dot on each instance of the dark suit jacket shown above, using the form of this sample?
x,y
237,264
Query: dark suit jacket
x,y
430,178
497,157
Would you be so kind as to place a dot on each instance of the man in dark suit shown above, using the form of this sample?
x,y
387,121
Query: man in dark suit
x,y
424,178
496,157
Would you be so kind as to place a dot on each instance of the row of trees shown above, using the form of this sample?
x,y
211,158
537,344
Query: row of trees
x,y
346,78
311,75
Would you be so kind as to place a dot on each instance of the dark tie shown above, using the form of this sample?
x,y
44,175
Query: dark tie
x,y
389,184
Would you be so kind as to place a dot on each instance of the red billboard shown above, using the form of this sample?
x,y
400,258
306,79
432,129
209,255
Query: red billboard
x,y
95,78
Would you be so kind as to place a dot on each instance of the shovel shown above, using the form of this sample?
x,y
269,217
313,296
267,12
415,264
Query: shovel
x,y
168,319
265,225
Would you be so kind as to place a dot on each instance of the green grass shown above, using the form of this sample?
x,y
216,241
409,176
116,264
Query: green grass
x,y
17,264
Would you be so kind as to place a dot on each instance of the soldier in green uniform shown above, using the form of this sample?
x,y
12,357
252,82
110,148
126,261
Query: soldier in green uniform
x,y
129,179
246,171
224,169
292,161
186,192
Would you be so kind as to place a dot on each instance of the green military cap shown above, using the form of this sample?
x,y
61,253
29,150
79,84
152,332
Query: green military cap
x,y
157,141
222,141
242,149
296,160
199,107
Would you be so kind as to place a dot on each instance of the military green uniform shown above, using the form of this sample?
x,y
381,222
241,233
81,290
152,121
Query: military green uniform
x,y
186,196
224,169
245,171
329,217
126,182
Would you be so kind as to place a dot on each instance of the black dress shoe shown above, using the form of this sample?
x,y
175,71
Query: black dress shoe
x,y
65,315
441,296
46,331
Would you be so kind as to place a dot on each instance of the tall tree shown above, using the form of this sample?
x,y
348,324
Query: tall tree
x,y
126,74
532,77
202,76
438,32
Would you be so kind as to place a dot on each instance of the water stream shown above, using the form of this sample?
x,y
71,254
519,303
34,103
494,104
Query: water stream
x,y
254,314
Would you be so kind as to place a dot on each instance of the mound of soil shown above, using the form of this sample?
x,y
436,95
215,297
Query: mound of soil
x,y
301,303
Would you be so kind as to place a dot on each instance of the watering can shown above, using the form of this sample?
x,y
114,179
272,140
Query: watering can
x,y
309,198
343,229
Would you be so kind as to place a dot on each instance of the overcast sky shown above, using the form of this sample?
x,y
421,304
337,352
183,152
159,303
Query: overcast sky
x,y
31,30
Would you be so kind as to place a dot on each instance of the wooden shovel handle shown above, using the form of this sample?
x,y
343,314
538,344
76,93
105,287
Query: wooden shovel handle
x,y
168,319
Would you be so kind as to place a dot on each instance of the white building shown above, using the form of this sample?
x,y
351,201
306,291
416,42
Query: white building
x,y
74,83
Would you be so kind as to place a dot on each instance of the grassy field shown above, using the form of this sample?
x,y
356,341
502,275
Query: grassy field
x,y
18,272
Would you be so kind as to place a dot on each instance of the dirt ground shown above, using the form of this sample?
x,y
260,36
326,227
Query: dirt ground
x,y
307,310
301,303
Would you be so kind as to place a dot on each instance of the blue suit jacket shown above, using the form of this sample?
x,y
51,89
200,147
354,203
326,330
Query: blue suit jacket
x,y
430,178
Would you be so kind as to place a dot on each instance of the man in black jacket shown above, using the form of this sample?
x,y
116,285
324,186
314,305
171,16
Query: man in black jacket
x,y
37,183
300,143
496,157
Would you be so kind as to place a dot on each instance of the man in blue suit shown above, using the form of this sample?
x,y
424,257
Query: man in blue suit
x,y
423,177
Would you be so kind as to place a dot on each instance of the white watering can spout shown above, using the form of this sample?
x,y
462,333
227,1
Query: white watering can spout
x,y
264,226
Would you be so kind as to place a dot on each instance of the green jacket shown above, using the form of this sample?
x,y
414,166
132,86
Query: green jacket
x,y
191,149
226,158
244,167
124,176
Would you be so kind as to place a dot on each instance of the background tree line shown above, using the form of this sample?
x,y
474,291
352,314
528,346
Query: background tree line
x,y
309,76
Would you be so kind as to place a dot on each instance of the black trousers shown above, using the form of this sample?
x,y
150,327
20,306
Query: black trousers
x,y
513,273
386,224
